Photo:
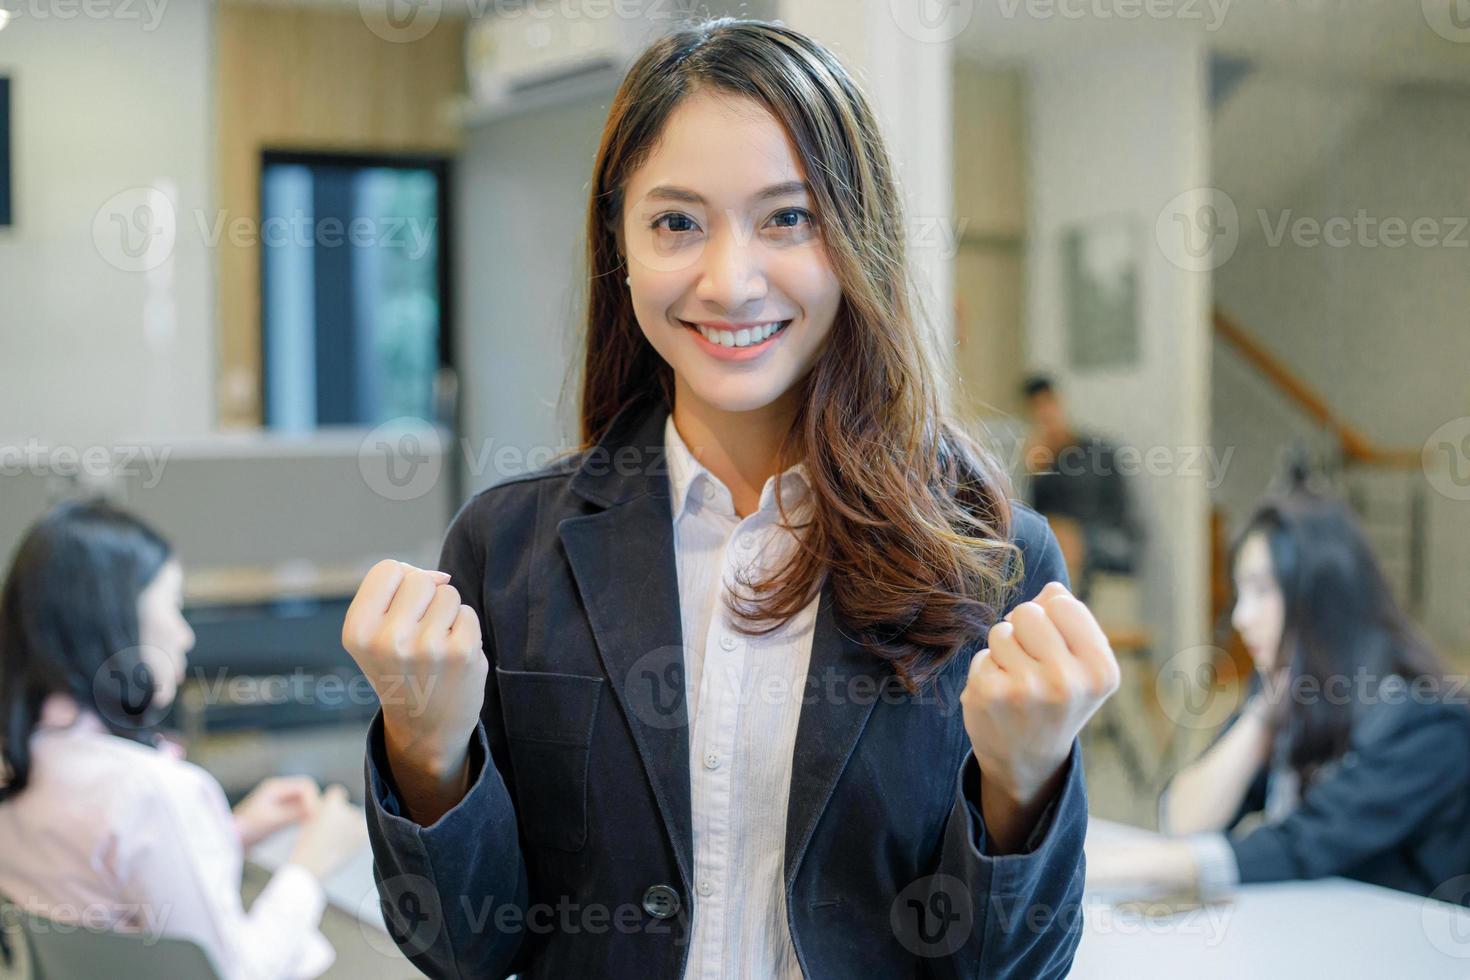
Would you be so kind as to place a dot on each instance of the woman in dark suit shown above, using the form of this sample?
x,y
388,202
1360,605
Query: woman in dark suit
x,y
1351,754
727,692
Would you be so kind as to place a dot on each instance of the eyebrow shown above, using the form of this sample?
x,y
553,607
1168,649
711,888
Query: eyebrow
x,y
667,192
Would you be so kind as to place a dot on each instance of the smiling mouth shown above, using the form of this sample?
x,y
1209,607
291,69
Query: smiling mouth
x,y
744,337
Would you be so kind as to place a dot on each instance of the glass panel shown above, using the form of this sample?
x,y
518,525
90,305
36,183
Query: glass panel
x,y
350,293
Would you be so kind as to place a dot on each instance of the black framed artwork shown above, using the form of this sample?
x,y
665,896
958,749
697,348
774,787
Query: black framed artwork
x,y
4,151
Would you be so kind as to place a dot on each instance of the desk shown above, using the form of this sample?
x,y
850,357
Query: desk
x,y
1332,929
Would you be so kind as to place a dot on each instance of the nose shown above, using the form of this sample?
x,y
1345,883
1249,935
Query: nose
x,y
1239,617
731,278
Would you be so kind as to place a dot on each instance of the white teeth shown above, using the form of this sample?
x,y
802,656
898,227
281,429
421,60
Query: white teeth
x,y
739,338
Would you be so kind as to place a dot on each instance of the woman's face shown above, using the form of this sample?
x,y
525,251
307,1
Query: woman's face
x,y
165,636
719,232
1260,610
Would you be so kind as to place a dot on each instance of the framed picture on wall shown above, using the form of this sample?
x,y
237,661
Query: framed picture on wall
x,y
5,212
1100,262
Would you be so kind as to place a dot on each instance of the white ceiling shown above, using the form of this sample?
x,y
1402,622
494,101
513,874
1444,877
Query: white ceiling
x,y
1378,40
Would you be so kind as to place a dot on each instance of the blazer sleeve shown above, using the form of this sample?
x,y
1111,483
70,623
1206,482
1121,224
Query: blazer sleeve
x,y
1404,760
1027,906
453,893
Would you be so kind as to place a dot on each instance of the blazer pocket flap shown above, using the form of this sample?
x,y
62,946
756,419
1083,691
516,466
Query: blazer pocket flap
x,y
547,707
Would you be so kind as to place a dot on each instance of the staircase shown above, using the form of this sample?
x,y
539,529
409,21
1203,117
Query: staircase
x,y
1385,487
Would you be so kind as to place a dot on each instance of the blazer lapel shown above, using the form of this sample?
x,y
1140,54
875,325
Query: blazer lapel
x,y
832,719
622,558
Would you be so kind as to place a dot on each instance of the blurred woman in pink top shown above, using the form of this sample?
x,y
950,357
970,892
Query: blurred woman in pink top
x,y
104,823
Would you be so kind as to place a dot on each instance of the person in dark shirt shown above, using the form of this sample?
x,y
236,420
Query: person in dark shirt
x,y
1076,485
1351,753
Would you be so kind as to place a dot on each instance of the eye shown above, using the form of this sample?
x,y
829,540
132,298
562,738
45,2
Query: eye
x,y
791,217
791,226
675,222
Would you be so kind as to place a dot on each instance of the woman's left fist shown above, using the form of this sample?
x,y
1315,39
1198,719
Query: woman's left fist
x,y
1047,669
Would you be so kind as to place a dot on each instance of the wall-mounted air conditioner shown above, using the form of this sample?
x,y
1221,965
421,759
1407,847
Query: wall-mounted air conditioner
x,y
524,55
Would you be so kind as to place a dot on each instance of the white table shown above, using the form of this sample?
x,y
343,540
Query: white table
x,y
350,888
1330,929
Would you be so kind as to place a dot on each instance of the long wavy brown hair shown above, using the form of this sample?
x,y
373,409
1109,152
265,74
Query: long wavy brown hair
x,y
910,516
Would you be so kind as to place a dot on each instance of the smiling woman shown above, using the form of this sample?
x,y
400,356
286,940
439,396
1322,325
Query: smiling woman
x,y
748,209
725,668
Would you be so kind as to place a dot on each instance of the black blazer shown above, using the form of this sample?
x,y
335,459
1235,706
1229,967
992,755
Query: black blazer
x,y
1393,811
571,855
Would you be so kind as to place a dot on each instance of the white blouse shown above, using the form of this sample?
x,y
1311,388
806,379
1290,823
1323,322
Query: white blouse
x,y
744,701
114,834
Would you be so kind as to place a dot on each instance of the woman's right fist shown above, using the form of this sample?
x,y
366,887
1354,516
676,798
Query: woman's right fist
x,y
420,648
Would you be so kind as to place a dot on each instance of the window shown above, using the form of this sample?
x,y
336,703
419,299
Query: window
x,y
354,288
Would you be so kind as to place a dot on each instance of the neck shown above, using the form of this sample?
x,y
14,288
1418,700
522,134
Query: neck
x,y
739,448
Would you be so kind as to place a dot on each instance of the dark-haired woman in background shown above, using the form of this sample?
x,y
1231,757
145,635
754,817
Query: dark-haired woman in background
x,y
103,821
1354,742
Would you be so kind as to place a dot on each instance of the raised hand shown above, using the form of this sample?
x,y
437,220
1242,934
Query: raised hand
x,y
1047,669
420,648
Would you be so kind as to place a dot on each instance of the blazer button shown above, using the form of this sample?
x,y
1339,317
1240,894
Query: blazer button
x,y
661,902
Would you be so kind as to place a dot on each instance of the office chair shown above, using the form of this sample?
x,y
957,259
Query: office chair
x,y
44,949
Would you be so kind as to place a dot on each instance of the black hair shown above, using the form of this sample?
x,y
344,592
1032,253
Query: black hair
x,y
1037,384
1341,620
69,625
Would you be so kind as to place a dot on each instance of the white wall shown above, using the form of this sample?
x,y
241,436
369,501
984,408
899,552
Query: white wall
x,y
1119,132
521,196
91,354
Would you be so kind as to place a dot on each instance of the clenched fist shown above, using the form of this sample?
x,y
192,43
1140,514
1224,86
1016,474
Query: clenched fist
x,y
1047,669
420,648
